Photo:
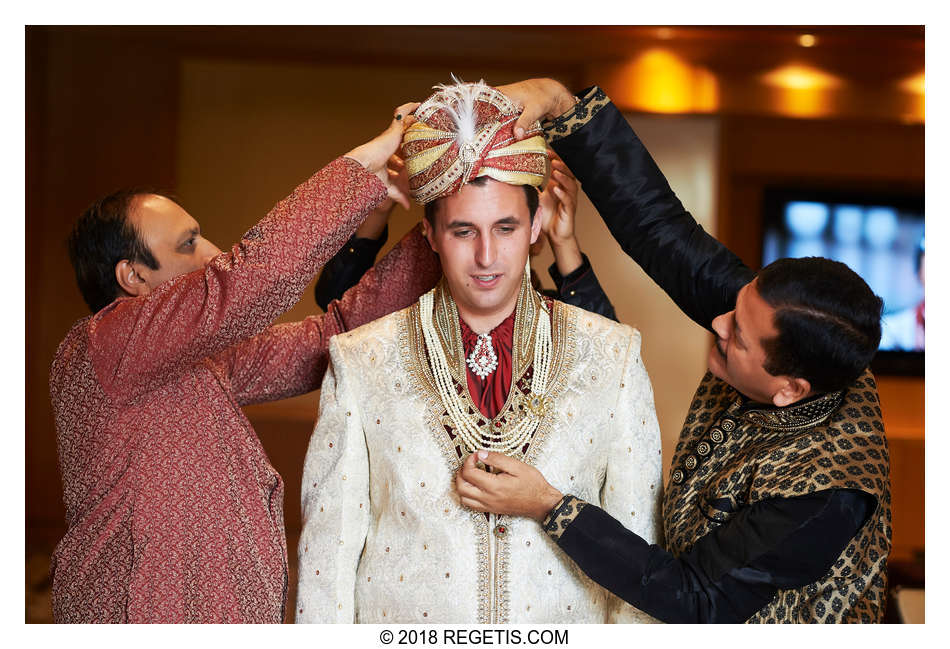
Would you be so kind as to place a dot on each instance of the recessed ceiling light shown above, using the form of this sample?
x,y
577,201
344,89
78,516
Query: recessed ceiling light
x,y
807,40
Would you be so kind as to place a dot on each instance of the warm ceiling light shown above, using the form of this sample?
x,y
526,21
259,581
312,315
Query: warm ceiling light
x,y
801,77
914,84
802,91
659,81
664,33
807,40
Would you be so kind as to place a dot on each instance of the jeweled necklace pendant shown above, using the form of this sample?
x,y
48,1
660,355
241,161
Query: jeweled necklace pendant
x,y
483,360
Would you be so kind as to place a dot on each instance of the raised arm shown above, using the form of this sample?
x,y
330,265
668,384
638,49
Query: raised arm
x,y
356,257
140,340
345,268
641,211
571,271
291,359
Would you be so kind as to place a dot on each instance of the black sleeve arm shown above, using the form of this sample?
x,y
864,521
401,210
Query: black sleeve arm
x,y
581,288
729,574
346,267
643,214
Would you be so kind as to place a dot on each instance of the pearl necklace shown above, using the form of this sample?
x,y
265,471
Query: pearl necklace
x,y
514,436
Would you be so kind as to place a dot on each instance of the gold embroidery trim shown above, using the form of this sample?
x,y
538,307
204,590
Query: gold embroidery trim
x,y
421,381
563,514
797,416
575,118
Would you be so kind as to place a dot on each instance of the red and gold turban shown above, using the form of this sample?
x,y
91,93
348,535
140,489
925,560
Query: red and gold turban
x,y
465,131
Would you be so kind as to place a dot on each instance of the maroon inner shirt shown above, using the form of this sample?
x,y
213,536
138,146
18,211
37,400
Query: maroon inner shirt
x,y
490,393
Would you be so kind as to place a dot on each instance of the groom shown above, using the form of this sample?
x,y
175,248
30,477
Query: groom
x,y
481,361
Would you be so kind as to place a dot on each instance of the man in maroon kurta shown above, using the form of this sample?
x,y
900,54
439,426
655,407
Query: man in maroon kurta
x,y
174,512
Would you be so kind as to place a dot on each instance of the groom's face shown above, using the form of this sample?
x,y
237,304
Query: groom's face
x,y
482,235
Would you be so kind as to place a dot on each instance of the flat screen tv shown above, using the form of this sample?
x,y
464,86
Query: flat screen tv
x,y
880,237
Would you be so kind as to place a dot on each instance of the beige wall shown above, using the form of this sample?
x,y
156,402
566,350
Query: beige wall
x,y
249,132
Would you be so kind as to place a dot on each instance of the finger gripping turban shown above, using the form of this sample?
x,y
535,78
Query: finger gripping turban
x,y
465,131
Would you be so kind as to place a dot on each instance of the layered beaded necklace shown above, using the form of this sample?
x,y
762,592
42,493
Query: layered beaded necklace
x,y
506,439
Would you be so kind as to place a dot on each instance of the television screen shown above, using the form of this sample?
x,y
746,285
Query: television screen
x,y
879,237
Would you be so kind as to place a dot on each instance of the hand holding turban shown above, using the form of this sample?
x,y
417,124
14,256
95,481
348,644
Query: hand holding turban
x,y
465,131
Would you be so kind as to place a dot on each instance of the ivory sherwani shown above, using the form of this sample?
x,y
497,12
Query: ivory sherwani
x,y
384,537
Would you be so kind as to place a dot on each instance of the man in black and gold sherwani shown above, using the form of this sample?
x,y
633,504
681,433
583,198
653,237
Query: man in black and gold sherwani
x,y
777,507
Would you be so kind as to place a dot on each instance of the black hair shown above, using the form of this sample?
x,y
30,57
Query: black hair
x,y
828,321
101,238
531,195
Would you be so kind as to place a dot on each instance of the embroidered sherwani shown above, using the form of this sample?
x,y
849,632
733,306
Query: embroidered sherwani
x,y
385,539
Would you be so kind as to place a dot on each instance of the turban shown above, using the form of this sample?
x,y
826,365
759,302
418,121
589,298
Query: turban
x,y
466,131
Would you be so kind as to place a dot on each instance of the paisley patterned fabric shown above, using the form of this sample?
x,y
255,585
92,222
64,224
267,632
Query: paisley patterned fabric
x,y
577,117
385,539
732,454
173,511
562,515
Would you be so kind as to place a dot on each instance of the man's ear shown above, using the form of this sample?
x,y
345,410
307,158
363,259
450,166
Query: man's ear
x,y
427,233
536,224
129,279
793,389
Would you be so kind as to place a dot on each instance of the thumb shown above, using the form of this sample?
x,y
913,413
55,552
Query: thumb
x,y
523,123
500,461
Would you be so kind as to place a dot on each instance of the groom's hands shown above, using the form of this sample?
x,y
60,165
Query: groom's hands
x,y
517,490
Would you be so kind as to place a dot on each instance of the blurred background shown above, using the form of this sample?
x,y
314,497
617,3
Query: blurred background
x,y
748,124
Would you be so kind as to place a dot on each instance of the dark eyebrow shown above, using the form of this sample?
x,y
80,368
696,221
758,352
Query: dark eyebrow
x,y
459,224
508,220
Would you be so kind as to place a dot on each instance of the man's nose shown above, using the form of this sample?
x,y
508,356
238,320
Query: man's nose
x,y
486,252
210,253
720,325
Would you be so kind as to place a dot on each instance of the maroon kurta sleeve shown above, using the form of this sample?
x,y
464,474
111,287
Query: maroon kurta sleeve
x,y
136,343
290,359
174,512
